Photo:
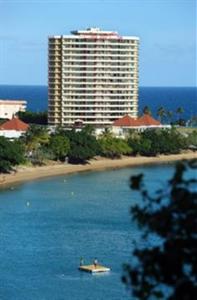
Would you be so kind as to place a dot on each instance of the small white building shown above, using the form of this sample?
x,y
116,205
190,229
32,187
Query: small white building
x,y
9,108
13,128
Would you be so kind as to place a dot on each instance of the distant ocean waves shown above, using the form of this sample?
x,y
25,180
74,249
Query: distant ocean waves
x,y
154,97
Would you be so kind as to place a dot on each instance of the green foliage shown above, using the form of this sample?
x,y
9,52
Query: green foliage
x,y
161,112
83,146
193,121
35,137
59,146
167,270
152,142
33,117
147,110
180,121
192,138
140,145
180,110
113,147
36,140
11,154
169,115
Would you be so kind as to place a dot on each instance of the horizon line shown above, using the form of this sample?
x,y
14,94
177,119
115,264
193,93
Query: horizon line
x,y
146,86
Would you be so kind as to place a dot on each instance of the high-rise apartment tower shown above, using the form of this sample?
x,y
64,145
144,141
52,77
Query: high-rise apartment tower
x,y
92,77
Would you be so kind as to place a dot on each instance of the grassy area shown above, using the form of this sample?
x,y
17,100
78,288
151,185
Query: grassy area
x,y
186,129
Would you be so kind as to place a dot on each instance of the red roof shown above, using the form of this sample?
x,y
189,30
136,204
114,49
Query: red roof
x,y
14,124
127,121
147,120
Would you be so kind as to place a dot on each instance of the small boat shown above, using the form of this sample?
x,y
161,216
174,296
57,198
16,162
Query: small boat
x,y
94,268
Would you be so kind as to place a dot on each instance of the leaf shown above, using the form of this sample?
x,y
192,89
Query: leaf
x,y
136,181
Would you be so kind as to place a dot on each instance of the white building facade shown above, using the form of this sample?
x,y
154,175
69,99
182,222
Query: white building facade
x,y
92,77
9,108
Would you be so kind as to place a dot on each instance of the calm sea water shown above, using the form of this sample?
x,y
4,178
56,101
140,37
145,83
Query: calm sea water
x,y
169,97
47,225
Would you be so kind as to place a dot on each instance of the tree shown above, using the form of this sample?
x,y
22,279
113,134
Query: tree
x,y
179,112
33,117
193,121
113,147
161,112
59,146
35,140
152,142
11,154
192,140
169,114
147,110
167,270
83,146
140,145
35,137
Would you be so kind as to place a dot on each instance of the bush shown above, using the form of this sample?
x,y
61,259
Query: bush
x,y
152,142
33,117
11,153
83,146
166,270
113,147
59,146
192,138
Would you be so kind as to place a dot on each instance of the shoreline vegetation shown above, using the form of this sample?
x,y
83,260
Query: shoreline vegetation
x,y
24,174
43,151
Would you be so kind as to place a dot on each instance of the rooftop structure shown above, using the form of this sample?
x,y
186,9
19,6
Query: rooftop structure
x,y
122,126
147,120
92,77
128,121
13,128
9,108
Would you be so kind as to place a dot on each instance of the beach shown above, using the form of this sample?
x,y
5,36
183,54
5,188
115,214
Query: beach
x,y
24,174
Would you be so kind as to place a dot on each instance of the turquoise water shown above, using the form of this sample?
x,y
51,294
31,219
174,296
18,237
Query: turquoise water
x,y
47,225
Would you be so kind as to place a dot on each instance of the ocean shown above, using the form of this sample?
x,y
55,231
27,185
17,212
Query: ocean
x,y
154,97
47,225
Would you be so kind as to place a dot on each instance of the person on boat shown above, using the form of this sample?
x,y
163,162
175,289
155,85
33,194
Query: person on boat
x,y
81,261
95,262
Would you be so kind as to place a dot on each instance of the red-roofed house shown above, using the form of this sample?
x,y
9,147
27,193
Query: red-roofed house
x,y
126,121
121,126
13,128
147,120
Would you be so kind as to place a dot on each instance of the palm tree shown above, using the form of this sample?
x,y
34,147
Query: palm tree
x,y
179,112
147,110
161,112
169,114
35,137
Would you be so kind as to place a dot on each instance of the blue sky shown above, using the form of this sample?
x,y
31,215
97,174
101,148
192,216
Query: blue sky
x,y
166,29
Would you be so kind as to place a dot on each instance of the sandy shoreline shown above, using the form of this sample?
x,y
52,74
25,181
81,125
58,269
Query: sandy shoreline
x,y
31,173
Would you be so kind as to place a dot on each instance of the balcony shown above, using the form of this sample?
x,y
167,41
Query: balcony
x,y
56,48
